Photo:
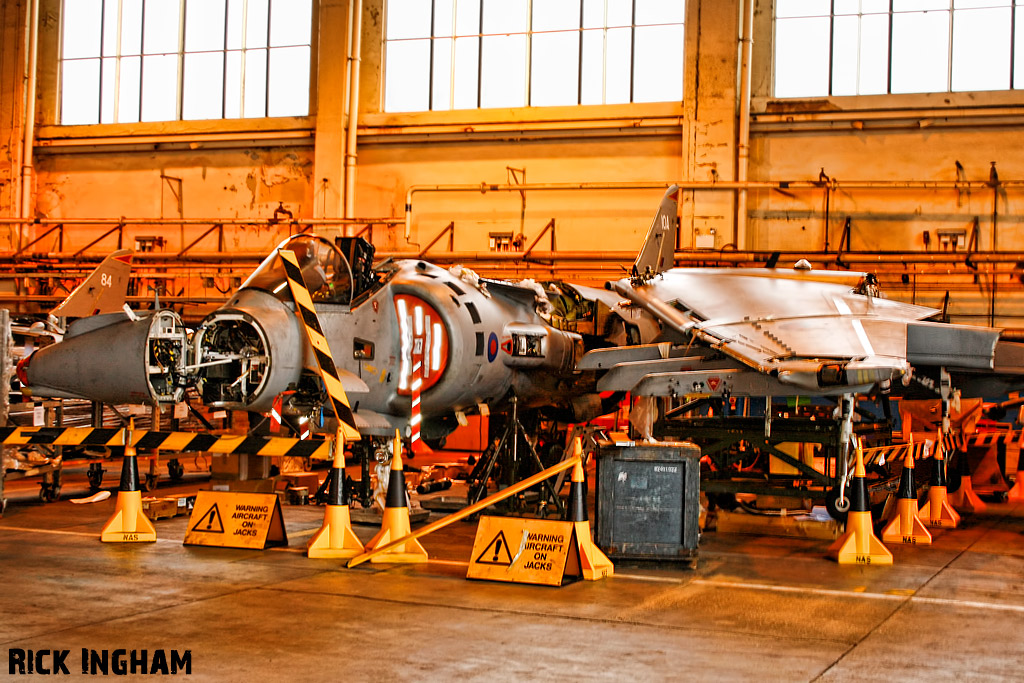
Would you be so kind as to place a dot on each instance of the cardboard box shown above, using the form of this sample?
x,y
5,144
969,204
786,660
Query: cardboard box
x,y
160,508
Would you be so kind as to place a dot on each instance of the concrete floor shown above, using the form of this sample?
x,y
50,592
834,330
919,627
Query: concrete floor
x,y
756,608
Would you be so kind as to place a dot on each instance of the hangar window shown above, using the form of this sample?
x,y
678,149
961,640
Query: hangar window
x,y
871,47
124,61
468,54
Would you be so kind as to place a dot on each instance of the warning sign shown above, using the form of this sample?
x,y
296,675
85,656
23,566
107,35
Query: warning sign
x,y
228,519
496,552
522,550
210,522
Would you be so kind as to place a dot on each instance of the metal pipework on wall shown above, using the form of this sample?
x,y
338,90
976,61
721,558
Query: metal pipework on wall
x,y
117,225
743,129
352,87
31,59
714,185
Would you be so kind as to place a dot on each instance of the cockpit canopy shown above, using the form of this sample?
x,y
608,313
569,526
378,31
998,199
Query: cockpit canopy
x,y
325,269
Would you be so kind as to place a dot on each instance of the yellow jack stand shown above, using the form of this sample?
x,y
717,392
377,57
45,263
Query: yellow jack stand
x,y
906,526
594,564
1016,494
964,499
937,512
395,523
859,545
128,524
335,539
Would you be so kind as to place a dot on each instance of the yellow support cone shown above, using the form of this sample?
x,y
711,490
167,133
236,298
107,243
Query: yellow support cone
x,y
128,524
335,539
906,525
937,512
1016,494
964,499
395,524
859,545
594,564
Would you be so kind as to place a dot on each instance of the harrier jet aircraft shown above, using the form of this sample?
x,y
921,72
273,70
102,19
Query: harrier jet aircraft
x,y
463,342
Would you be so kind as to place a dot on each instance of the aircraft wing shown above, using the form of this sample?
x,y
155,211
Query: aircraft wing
x,y
811,330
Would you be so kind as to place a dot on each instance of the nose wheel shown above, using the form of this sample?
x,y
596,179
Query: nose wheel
x,y
175,470
837,507
95,476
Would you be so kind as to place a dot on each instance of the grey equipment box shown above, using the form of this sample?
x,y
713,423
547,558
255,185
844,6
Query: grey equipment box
x,y
648,501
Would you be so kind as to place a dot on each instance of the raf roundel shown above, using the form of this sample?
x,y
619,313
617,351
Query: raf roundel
x,y
492,347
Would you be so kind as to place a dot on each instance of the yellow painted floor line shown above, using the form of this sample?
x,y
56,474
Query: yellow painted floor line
x,y
803,590
946,602
648,577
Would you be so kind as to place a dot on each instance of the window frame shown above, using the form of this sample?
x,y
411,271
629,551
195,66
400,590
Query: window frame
x,y
950,96
455,111
51,86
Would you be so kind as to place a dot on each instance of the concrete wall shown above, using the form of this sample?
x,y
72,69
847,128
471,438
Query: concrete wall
x,y
246,169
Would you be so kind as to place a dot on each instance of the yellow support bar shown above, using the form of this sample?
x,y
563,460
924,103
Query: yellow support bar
x,y
467,511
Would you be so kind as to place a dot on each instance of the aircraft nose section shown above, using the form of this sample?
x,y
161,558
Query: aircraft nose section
x,y
112,359
248,352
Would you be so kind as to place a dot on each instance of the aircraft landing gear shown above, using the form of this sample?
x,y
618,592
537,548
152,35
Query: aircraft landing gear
x,y
95,476
837,508
49,488
502,462
175,470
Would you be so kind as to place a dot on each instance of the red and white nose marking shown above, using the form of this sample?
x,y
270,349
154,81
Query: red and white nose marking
x,y
424,354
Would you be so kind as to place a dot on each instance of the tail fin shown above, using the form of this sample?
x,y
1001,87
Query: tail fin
x,y
104,291
658,252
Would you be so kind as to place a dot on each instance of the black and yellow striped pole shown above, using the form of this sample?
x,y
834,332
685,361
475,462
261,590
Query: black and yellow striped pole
x,y
321,350
266,446
128,524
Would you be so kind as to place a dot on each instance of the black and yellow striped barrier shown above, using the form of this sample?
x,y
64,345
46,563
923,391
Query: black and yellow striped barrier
x,y
167,441
322,352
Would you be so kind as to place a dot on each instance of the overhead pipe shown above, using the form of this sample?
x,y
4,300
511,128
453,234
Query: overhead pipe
x,y
351,137
324,222
624,256
746,45
705,185
29,122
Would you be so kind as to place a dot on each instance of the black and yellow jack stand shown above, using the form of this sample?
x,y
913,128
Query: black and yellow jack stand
x,y
335,539
395,524
906,525
937,511
128,524
859,545
594,564
964,499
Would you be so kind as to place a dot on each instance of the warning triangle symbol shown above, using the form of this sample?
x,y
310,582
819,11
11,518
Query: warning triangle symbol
x,y
496,552
210,521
